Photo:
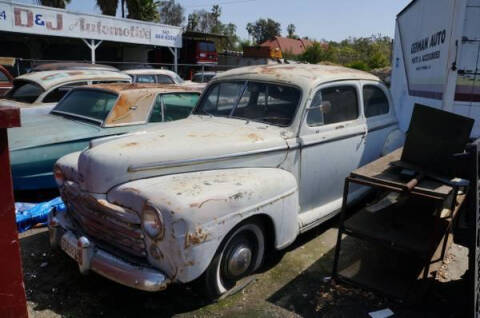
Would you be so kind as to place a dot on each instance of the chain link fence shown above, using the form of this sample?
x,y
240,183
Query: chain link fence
x,y
186,71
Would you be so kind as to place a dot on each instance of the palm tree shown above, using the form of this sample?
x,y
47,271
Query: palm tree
x,y
54,3
145,10
108,7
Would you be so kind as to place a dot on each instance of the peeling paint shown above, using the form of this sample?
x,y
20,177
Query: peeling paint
x,y
195,238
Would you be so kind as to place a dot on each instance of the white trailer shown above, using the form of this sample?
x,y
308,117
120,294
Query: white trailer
x,y
436,58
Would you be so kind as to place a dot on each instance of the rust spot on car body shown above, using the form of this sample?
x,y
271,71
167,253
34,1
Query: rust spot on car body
x,y
255,137
195,238
199,205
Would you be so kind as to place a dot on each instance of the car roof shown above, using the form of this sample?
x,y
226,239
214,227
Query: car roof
x,y
155,88
72,66
150,71
303,75
48,79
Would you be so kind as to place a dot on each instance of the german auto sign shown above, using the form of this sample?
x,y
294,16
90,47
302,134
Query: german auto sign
x,y
55,22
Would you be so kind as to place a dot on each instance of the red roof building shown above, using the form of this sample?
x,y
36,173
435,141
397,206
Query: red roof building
x,y
287,45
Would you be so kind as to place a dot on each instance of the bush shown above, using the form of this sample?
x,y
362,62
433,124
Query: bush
x,y
360,53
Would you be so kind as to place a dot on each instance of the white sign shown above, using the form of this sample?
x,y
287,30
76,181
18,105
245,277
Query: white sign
x,y
56,22
425,31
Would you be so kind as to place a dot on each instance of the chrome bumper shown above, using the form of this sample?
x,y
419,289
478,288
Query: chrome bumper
x,y
89,257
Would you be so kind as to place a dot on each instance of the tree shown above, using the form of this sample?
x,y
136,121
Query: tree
x,y
215,14
108,7
263,30
206,21
171,13
193,21
200,21
364,53
54,3
209,22
291,31
318,52
145,10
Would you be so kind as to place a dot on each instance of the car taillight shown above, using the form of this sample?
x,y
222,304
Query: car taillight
x,y
59,176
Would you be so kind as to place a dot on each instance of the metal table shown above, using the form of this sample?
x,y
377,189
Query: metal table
x,y
418,227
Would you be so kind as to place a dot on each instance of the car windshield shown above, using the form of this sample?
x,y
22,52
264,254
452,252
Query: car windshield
x,y
90,104
25,92
268,103
207,47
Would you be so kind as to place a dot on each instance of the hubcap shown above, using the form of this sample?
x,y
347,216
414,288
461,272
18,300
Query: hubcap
x,y
239,261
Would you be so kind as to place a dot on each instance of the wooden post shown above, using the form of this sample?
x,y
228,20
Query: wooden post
x,y
12,295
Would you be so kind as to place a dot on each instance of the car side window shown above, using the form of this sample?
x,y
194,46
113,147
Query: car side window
x,y
3,77
145,79
178,105
156,116
333,105
164,79
57,94
375,101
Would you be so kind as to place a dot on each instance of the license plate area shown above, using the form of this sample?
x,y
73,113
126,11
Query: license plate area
x,y
68,244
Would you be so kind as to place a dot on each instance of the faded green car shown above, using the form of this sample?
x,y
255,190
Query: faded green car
x,y
84,114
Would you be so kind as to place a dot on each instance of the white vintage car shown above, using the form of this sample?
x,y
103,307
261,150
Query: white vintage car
x,y
262,158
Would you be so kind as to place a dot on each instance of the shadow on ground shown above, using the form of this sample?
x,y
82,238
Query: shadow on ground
x,y
54,283
294,282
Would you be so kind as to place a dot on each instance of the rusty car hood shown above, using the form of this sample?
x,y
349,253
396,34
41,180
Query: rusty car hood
x,y
193,144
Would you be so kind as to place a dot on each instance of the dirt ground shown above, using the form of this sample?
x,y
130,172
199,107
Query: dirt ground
x,y
292,283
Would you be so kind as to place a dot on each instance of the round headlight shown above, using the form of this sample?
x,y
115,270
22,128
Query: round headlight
x,y
152,223
59,176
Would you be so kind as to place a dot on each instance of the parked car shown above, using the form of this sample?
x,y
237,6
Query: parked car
x,y
160,76
203,77
261,159
39,92
6,81
84,114
72,66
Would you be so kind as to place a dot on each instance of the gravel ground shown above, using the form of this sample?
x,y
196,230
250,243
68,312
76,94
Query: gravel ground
x,y
293,283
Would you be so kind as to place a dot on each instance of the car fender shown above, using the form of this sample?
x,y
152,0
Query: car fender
x,y
199,209
395,139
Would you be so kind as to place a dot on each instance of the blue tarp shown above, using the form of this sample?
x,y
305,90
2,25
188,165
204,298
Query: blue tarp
x,y
30,214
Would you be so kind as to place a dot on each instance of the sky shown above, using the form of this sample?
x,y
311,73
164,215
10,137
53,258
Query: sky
x,y
318,19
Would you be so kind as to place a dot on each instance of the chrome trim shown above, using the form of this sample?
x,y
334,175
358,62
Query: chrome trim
x,y
181,163
321,142
382,127
76,115
105,264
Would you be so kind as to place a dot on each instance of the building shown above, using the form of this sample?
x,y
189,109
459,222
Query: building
x,y
288,46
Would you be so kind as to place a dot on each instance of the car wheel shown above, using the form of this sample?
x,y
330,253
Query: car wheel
x,y
240,254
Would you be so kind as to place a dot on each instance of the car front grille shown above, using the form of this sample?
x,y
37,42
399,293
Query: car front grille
x,y
114,226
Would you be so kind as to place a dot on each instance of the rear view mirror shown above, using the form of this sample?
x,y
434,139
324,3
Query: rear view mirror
x,y
325,107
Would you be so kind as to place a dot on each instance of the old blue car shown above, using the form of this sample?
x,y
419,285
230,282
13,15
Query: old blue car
x,y
86,113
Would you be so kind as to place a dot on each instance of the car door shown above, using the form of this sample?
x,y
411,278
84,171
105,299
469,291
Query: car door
x,y
332,143
380,119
